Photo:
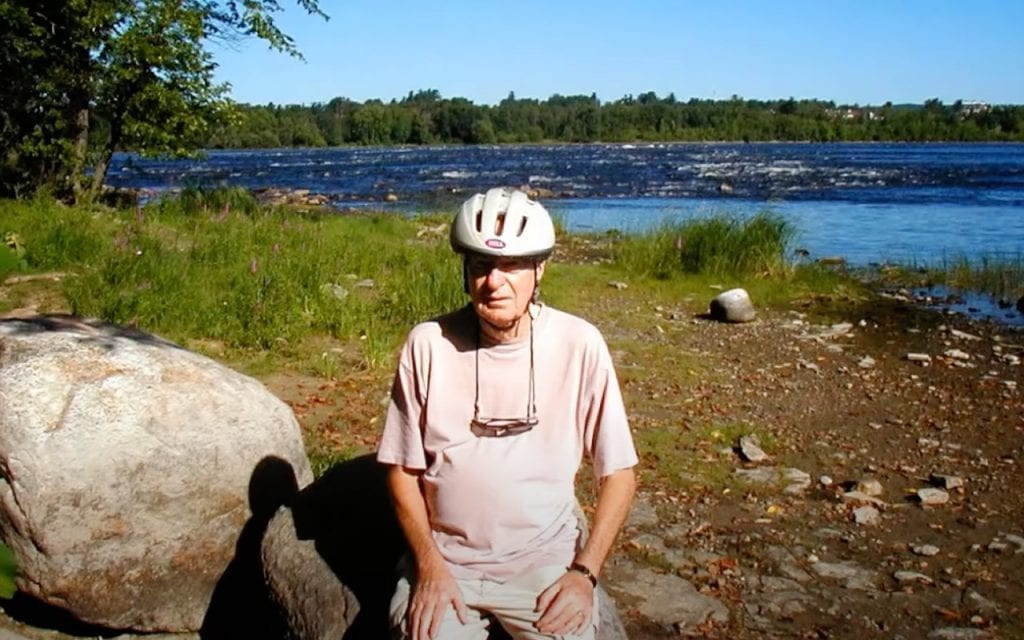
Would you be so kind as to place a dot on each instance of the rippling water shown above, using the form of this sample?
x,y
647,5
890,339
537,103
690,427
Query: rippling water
x,y
866,202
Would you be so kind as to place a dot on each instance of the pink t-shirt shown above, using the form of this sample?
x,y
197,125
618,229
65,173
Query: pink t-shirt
x,y
499,507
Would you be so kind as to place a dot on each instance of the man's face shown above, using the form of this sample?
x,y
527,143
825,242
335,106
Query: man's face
x,y
500,288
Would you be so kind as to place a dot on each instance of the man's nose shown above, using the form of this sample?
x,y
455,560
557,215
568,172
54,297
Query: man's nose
x,y
496,277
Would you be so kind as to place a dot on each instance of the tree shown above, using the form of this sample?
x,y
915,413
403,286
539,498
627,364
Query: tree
x,y
141,67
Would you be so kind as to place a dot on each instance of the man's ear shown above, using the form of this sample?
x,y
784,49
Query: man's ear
x,y
540,270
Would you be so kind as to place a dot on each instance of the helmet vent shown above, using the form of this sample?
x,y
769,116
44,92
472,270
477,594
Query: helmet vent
x,y
499,224
480,221
522,226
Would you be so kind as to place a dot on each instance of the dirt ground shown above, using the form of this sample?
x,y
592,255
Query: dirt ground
x,y
884,393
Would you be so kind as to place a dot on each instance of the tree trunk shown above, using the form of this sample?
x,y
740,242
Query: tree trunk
x,y
79,98
99,174
80,148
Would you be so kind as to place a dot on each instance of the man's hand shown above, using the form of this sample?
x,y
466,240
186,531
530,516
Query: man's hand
x,y
434,591
567,605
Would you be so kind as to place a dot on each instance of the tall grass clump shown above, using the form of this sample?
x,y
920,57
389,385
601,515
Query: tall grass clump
x,y
997,276
717,246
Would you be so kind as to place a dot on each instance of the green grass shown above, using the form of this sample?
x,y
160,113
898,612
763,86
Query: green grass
x,y
215,266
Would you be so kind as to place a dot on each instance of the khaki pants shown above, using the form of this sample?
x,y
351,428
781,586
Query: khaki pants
x,y
510,603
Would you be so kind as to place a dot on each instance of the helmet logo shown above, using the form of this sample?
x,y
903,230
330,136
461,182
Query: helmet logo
x,y
494,243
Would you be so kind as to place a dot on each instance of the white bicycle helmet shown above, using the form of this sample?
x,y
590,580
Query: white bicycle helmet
x,y
504,222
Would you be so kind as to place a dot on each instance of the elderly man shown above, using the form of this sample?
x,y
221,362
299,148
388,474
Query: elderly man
x,y
492,409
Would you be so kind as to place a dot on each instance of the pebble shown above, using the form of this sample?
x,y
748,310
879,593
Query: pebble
x,y
867,515
946,482
867,362
919,357
932,496
617,284
903,577
858,496
1017,540
963,334
826,481
750,449
925,549
956,354
958,633
869,486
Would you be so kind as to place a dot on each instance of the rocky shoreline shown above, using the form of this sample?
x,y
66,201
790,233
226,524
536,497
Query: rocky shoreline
x,y
887,505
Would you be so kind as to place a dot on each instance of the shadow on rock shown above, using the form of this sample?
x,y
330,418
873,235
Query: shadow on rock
x,y
330,559
241,605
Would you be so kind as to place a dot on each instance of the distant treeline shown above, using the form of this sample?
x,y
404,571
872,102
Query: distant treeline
x,y
425,117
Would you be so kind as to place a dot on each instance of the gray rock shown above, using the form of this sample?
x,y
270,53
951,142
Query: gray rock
x,y
927,550
931,496
867,515
870,486
671,600
959,633
787,564
127,462
979,604
858,497
905,577
642,513
782,598
758,475
850,574
1016,540
797,481
867,362
946,482
733,305
749,447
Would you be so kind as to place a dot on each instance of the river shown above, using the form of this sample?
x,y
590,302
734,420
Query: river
x,y
868,203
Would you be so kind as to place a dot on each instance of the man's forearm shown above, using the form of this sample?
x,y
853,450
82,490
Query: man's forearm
x,y
411,511
613,501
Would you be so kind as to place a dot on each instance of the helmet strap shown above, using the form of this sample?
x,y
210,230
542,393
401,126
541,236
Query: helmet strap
x,y
535,296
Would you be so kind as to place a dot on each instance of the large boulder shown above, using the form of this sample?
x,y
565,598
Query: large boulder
x,y
733,305
330,558
127,466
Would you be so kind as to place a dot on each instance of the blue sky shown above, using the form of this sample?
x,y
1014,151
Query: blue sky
x,y
853,52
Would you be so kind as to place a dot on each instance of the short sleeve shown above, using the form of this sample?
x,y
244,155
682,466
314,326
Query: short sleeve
x,y
608,440
402,440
